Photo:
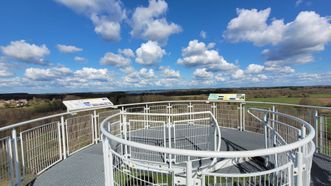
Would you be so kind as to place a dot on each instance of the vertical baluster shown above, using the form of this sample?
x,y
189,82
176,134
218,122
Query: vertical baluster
x,y
16,158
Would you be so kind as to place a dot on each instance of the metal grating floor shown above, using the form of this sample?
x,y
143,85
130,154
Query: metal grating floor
x,y
85,168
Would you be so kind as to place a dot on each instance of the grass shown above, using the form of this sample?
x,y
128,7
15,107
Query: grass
x,y
278,100
320,95
315,99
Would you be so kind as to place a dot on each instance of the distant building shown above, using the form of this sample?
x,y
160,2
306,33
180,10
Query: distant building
x,y
13,103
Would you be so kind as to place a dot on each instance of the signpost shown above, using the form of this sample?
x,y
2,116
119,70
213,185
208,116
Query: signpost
x,y
227,97
81,104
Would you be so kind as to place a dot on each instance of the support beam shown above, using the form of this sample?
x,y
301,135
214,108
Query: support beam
x,y
316,130
96,126
16,158
64,147
189,178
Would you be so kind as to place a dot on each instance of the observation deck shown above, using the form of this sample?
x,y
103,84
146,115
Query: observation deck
x,y
171,143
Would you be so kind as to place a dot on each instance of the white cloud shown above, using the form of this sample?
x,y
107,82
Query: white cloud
x,y
5,71
219,78
68,48
79,59
307,34
48,74
25,52
169,73
211,45
198,54
251,25
203,34
146,73
258,78
149,23
109,30
93,74
238,74
144,77
106,15
295,79
149,53
262,76
14,82
279,69
126,52
55,77
169,82
202,73
290,43
140,78
114,59
254,68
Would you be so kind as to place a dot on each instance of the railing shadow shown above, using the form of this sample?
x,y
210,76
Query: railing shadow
x,y
321,172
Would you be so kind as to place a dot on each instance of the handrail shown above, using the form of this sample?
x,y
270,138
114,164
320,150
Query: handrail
x,y
219,154
178,114
224,101
167,114
50,116
155,102
31,121
251,174
61,119
289,104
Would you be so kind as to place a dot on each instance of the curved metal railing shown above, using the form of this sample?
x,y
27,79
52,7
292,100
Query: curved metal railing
x,y
28,148
287,155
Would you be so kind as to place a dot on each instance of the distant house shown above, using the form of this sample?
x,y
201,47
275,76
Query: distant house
x,y
21,102
13,103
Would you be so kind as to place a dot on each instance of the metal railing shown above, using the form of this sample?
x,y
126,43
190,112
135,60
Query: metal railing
x,y
200,166
28,148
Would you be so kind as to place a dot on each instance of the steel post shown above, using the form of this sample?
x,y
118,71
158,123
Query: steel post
x,y
321,136
316,130
244,117
9,152
59,136
108,163
265,120
299,180
16,158
96,126
189,178
63,135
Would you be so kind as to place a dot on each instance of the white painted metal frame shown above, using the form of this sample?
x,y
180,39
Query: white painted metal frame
x,y
38,152
296,146
79,131
323,144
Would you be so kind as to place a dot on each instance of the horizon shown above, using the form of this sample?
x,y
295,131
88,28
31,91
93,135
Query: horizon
x,y
72,46
167,90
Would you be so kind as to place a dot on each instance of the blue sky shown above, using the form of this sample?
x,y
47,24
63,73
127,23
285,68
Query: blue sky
x,y
110,45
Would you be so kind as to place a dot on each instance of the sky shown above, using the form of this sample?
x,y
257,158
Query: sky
x,y
54,46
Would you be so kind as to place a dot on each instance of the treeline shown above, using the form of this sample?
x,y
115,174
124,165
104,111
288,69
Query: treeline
x,y
36,108
126,97
46,104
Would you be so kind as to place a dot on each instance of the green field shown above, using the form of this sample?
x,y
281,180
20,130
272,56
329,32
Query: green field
x,y
311,99
278,100
320,95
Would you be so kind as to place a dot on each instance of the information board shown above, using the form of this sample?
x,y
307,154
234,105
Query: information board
x,y
227,97
81,104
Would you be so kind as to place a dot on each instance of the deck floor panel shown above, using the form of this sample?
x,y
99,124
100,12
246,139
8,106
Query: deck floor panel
x,y
85,168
